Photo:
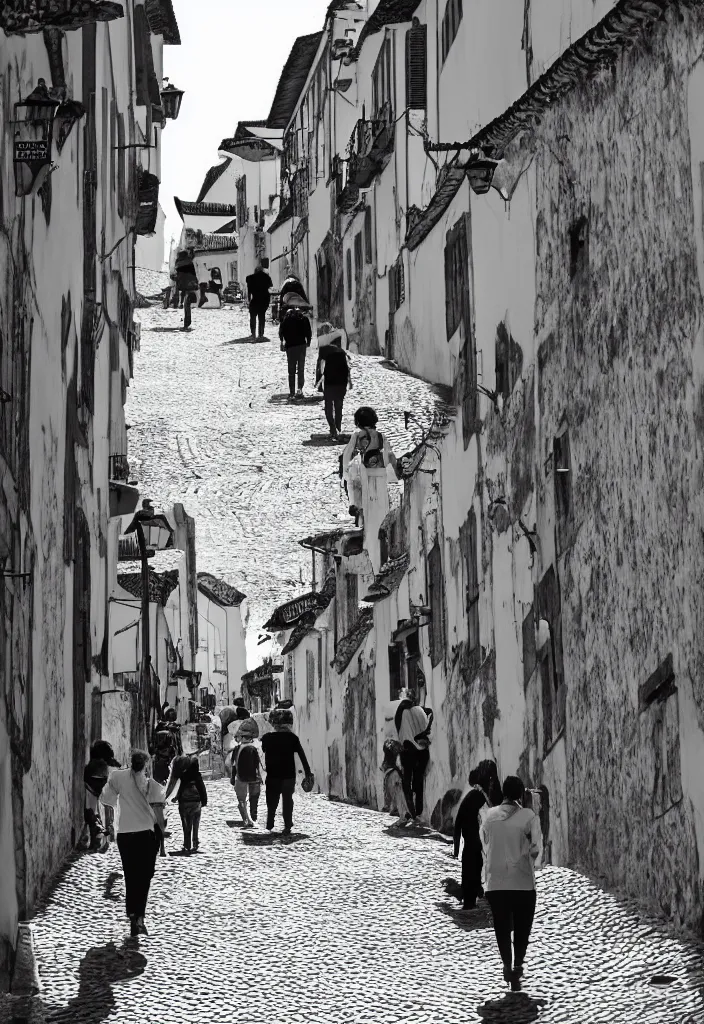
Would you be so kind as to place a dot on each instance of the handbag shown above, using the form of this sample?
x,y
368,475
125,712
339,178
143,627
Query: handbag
x,y
308,783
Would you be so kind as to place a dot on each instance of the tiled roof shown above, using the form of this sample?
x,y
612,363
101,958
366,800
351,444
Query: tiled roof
x,y
326,540
36,15
352,642
289,614
161,585
162,20
293,78
219,591
300,632
211,177
284,214
597,50
216,242
389,579
227,229
387,12
204,209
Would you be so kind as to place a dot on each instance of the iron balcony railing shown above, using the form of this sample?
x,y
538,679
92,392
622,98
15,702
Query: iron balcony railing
x,y
118,468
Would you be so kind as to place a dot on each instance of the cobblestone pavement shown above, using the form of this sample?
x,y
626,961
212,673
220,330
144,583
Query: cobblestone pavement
x,y
211,426
345,922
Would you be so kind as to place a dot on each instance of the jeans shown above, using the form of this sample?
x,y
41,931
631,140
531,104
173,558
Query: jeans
x,y
251,790
472,861
191,297
138,852
279,789
190,819
414,763
334,396
257,313
296,364
513,911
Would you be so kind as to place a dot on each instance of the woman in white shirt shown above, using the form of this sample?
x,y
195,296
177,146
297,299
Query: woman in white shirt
x,y
368,475
139,803
511,839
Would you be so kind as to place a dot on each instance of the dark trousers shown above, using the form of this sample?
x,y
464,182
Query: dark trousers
x,y
513,910
190,820
472,861
296,365
257,315
138,852
279,789
334,396
414,763
191,297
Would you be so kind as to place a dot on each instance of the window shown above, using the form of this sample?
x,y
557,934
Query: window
x,y
310,676
579,247
289,678
352,598
383,547
456,277
395,672
349,275
358,262
121,165
554,692
563,481
397,285
416,67
382,84
529,651
368,234
659,704
320,662
468,546
508,360
450,25
242,202
437,605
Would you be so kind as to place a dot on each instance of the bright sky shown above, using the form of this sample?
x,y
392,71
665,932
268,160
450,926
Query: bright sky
x,y
228,64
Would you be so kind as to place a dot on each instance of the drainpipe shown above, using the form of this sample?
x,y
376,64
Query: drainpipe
x,y
145,674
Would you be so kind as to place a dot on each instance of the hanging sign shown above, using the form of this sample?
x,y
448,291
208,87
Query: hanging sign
x,y
32,163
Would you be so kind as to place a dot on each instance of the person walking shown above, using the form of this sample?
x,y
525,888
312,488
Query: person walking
x,y
246,772
395,801
187,284
369,448
334,376
95,776
259,286
413,728
192,797
292,293
511,839
296,335
467,829
279,748
139,802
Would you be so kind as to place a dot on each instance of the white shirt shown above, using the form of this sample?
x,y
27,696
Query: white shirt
x,y
508,835
413,721
133,811
351,450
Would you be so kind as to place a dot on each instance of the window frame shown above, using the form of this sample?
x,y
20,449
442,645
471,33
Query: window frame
x,y
436,600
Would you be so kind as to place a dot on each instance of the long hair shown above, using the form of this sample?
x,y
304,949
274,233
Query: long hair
x,y
403,706
178,769
488,779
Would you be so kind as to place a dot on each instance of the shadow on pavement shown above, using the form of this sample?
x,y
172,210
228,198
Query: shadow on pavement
x,y
249,340
100,969
320,441
163,330
472,921
514,1008
234,824
108,893
415,831
258,839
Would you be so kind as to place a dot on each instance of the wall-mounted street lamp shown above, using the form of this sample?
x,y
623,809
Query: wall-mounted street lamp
x,y
33,124
171,98
480,171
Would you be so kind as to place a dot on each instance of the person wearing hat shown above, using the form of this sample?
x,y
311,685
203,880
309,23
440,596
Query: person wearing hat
x,y
279,748
247,772
95,775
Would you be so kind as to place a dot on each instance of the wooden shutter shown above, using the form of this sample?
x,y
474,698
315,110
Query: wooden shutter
x,y
320,662
416,67
352,591
468,544
141,57
358,260
310,676
437,605
395,676
349,275
400,283
368,234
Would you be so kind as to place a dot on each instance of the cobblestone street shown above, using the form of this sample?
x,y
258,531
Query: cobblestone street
x,y
211,426
345,921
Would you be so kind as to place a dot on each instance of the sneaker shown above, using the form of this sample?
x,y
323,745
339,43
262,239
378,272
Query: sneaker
x,y
195,849
508,973
142,929
134,927
185,852
286,832
299,393
518,971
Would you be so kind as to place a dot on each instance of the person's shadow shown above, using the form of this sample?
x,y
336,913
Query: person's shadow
x,y
100,969
514,1008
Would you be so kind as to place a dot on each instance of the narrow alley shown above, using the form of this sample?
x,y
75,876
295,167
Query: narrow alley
x,y
344,922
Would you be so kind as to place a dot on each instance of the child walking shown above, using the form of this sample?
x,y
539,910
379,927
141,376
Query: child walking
x,y
246,772
191,798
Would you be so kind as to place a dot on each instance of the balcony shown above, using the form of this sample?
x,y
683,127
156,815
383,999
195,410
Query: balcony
x,y
371,146
119,468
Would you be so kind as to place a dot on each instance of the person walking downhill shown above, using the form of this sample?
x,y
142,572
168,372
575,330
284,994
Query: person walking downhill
x,y
333,374
259,286
413,727
192,797
292,293
467,829
279,749
512,839
187,284
247,772
95,776
296,335
139,802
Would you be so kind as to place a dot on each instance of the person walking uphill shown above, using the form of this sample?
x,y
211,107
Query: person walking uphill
x,y
512,839
413,727
246,772
258,296
95,776
467,829
296,335
192,797
279,749
333,371
139,802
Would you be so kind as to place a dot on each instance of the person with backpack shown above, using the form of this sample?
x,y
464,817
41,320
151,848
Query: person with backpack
x,y
296,335
366,462
413,728
333,376
191,798
292,293
279,748
395,801
247,772
95,776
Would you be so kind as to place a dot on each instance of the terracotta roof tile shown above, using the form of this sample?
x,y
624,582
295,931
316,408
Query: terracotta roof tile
x,y
293,78
389,579
161,585
353,640
211,177
219,591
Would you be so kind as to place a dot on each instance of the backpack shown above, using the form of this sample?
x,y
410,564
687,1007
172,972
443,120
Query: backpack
x,y
373,458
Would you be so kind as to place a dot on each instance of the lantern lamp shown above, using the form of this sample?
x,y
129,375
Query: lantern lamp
x,y
157,532
171,100
38,107
480,172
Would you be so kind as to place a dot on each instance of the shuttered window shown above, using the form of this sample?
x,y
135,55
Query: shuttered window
x,y
450,25
469,547
417,67
456,276
382,83
349,275
352,600
395,672
437,605
368,235
320,662
121,165
358,261
310,676
397,285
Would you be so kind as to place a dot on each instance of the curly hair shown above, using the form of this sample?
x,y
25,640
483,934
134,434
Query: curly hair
x,y
365,417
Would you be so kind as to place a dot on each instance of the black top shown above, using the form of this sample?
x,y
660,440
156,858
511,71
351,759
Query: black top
x,y
95,775
467,820
258,285
337,372
279,748
245,763
293,286
295,330
192,787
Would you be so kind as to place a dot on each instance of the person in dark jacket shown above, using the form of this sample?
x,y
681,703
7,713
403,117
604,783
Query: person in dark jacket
x,y
334,371
291,286
246,772
192,797
95,775
467,829
187,284
296,335
279,749
258,296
